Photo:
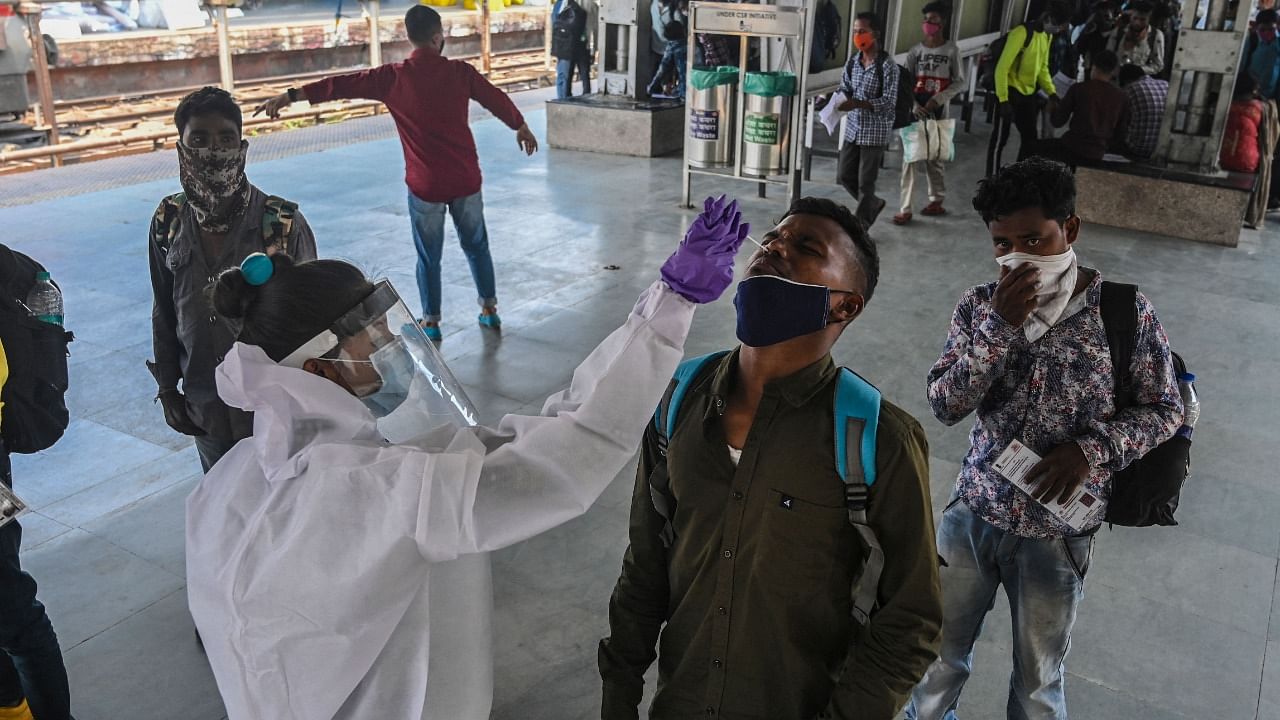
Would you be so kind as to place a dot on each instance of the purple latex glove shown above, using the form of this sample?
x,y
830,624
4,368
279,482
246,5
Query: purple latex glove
x,y
702,267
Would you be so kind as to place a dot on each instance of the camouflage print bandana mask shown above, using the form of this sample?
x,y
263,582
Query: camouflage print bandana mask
x,y
215,184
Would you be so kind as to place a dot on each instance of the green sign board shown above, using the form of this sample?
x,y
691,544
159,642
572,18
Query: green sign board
x,y
761,128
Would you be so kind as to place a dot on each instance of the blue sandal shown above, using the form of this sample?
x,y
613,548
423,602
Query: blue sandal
x,y
432,332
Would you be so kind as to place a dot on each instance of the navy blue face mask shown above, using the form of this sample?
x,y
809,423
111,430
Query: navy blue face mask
x,y
773,309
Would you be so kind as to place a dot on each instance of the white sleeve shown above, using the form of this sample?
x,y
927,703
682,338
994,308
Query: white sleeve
x,y
538,472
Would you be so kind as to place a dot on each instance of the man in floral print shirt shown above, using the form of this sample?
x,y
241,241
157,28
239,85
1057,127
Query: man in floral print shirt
x,y
1029,354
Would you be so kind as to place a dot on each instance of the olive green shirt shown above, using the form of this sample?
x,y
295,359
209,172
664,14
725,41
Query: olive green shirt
x,y
755,591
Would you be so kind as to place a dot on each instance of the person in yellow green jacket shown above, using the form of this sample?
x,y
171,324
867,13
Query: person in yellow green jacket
x,y
1022,71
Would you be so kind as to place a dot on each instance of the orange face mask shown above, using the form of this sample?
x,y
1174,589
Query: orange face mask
x,y
864,41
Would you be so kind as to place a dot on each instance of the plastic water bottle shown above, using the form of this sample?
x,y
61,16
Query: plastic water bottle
x,y
1190,404
45,301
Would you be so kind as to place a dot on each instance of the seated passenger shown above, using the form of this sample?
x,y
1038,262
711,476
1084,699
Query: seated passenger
x,y
1095,108
313,546
752,553
1244,121
1145,97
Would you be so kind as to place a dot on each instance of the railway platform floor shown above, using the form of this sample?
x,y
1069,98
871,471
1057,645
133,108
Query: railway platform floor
x,y
1178,623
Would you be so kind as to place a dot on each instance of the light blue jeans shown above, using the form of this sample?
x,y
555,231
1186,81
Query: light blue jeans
x,y
427,220
564,75
1044,581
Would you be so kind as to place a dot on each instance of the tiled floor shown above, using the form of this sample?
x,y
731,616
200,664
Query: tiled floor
x,y
1179,623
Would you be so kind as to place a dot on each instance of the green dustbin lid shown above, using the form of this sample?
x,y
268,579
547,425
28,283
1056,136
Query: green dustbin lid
x,y
706,78
770,84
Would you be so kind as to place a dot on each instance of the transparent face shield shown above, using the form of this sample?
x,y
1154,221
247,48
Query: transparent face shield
x,y
381,354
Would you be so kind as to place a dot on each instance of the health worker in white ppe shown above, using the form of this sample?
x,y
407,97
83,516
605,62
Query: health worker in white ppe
x,y
313,547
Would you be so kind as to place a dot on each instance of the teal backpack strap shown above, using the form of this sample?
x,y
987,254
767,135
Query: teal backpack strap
x,y
857,417
664,421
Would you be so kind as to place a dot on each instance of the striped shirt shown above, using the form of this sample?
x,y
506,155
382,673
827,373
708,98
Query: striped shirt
x,y
879,85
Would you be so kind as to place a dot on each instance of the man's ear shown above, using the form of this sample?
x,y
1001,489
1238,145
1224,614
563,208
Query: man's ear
x,y
847,309
1072,229
325,370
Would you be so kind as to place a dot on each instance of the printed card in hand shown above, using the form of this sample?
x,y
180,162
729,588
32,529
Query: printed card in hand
x,y
1014,464
11,506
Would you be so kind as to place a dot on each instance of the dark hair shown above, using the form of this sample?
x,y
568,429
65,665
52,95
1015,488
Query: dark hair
x,y
1106,61
1266,17
1031,183
869,18
1141,8
1059,11
1246,86
937,6
422,22
208,101
295,305
864,247
1131,73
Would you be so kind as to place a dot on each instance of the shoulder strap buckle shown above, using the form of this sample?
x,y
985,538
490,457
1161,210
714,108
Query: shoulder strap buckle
x,y
277,222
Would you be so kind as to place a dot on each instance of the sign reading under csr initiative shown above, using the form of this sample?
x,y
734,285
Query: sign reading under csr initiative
x,y
746,20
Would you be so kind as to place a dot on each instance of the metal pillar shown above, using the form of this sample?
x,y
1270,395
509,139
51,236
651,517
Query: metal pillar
x,y
1204,71
44,84
546,42
624,65
224,47
486,40
373,16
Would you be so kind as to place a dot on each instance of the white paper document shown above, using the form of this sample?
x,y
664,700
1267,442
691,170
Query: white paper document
x,y
830,115
1014,464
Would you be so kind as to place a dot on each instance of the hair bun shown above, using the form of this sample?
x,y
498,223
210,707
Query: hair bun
x,y
232,294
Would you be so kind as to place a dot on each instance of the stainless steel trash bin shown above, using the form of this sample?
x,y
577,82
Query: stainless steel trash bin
x,y
766,124
713,106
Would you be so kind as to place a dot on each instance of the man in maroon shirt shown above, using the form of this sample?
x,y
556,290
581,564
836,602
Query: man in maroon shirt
x,y
429,97
1098,112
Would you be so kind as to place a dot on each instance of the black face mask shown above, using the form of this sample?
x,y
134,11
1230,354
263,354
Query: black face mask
x,y
773,309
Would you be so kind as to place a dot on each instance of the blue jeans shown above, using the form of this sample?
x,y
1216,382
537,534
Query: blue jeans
x,y
1044,581
30,659
564,75
675,57
427,220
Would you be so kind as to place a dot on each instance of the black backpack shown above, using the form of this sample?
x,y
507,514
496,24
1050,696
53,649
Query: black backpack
x,y
35,414
567,30
905,103
987,63
674,31
826,36
1148,490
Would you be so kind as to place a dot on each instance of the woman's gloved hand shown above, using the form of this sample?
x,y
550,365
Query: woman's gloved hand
x,y
701,269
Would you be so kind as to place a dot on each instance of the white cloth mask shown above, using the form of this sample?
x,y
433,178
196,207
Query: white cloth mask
x,y
1057,284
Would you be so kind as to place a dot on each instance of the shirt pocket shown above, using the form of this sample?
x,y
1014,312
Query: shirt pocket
x,y
178,257
801,544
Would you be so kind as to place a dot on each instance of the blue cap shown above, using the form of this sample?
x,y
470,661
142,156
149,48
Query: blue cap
x,y
1187,377
257,269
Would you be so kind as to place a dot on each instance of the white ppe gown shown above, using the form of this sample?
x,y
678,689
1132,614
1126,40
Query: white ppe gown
x,y
312,546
